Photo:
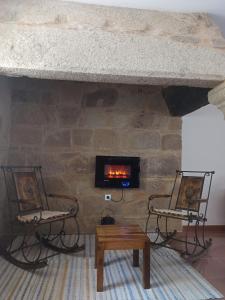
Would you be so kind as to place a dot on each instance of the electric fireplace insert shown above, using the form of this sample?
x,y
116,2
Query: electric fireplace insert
x,y
117,171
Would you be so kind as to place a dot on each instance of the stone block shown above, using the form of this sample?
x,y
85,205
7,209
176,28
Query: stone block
x,y
71,93
78,184
25,96
131,207
33,114
155,186
94,118
16,157
23,135
4,156
105,139
34,84
149,120
163,165
92,158
102,97
121,118
68,116
107,118
131,98
144,167
140,140
88,223
175,123
49,97
33,155
92,205
134,195
51,163
171,142
157,104
82,137
4,132
60,138
78,163
55,184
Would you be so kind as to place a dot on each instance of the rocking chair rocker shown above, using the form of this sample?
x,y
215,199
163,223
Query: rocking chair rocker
x,y
187,202
31,220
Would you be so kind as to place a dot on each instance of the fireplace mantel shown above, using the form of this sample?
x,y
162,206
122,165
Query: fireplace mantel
x,y
71,41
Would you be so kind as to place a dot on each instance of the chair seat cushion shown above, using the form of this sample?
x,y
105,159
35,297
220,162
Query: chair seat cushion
x,y
173,212
43,215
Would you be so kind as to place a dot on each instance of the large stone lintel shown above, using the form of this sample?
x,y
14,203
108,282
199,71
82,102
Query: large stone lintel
x,y
217,97
70,41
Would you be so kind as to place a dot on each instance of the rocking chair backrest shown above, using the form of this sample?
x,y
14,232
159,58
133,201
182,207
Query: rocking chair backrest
x,y
28,194
190,186
25,186
190,189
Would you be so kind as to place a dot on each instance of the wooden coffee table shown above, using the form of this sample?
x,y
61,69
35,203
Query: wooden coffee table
x,y
121,237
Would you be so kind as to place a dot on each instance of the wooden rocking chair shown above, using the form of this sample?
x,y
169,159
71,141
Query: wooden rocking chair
x,y
187,202
31,220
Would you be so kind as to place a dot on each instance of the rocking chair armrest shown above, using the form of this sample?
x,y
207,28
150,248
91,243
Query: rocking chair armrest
x,y
155,196
60,196
152,197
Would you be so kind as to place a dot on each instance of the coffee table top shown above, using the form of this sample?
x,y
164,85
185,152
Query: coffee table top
x,y
118,232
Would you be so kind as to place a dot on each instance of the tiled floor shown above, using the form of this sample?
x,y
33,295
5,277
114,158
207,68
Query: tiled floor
x,y
212,264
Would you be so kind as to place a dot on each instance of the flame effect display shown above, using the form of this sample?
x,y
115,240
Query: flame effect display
x,y
117,171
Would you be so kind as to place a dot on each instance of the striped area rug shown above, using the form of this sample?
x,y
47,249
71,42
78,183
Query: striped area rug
x,y
73,277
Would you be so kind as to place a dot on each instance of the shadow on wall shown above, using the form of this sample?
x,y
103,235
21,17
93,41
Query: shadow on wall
x,y
220,21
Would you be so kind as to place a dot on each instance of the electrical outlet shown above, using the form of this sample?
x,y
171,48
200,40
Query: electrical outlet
x,y
108,197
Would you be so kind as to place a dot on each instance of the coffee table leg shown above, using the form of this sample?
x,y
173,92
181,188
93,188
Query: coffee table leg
x,y
100,265
135,257
146,266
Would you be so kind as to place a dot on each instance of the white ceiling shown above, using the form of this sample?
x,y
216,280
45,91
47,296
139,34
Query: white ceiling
x,y
216,8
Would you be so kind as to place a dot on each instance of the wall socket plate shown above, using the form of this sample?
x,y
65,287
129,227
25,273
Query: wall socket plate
x,y
108,197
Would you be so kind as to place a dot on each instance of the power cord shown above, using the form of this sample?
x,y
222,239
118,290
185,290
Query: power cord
x,y
121,199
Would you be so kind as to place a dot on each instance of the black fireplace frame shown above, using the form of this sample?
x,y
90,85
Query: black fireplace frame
x,y
132,182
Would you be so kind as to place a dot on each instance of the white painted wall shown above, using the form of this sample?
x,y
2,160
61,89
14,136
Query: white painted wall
x,y
203,148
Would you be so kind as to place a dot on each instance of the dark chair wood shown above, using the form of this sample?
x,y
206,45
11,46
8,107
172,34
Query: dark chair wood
x,y
32,223
188,202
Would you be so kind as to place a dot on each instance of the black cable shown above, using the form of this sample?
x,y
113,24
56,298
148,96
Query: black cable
x,y
121,199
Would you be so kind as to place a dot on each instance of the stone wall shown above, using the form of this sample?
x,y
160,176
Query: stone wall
x,y
5,101
64,125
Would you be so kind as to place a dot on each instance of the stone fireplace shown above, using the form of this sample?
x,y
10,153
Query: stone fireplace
x,y
63,126
95,88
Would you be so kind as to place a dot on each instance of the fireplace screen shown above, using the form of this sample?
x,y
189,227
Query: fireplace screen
x,y
117,171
